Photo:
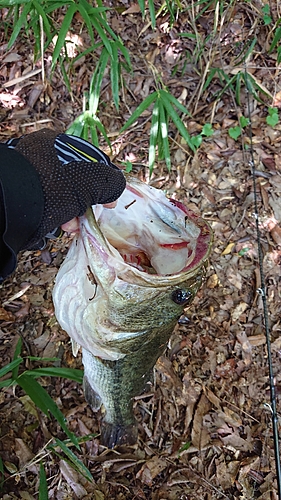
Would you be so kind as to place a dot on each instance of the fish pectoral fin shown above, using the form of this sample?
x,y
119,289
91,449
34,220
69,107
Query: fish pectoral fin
x,y
75,348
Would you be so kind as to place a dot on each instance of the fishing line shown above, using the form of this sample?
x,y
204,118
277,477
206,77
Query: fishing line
x,y
262,292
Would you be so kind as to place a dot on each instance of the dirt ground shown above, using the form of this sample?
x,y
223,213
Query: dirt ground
x,y
205,428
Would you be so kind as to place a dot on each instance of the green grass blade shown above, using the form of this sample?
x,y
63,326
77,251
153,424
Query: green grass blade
x,y
178,122
251,85
167,96
153,136
139,110
64,28
238,89
10,366
19,24
212,74
152,13
224,77
43,487
50,371
114,75
72,459
276,40
247,51
164,134
2,476
42,400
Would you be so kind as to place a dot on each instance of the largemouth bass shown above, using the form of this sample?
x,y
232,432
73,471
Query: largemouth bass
x,y
120,292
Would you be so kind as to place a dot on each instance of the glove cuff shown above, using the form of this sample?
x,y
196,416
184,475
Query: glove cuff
x,y
23,203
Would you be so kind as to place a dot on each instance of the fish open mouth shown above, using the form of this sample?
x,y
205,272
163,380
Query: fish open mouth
x,y
161,237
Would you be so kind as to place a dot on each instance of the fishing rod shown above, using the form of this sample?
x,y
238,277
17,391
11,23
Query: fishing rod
x,y
262,291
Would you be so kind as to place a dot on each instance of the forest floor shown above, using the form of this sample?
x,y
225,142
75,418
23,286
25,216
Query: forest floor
x,y
205,429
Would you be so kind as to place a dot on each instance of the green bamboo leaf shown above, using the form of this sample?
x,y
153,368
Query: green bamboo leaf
x,y
10,366
43,487
139,110
6,383
41,12
97,23
74,461
153,136
12,3
19,24
51,371
102,130
17,352
65,75
142,7
126,55
41,398
77,126
164,134
114,75
96,81
167,96
64,28
94,135
86,18
179,124
103,9
102,20
152,13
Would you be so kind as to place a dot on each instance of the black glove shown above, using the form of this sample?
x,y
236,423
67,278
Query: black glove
x,y
46,180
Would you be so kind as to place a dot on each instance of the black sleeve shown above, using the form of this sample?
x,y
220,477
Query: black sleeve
x,y
21,206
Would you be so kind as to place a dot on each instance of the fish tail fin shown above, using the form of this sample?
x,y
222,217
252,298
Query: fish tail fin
x,y
116,435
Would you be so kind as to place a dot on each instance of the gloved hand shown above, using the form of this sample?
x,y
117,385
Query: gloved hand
x,y
48,179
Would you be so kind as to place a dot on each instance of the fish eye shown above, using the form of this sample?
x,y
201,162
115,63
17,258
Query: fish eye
x,y
182,297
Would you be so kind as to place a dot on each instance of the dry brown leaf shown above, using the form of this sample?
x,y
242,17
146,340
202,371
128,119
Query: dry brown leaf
x,y
199,435
226,369
23,452
226,473
212,281
151,469
72,478
6,315
238,310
